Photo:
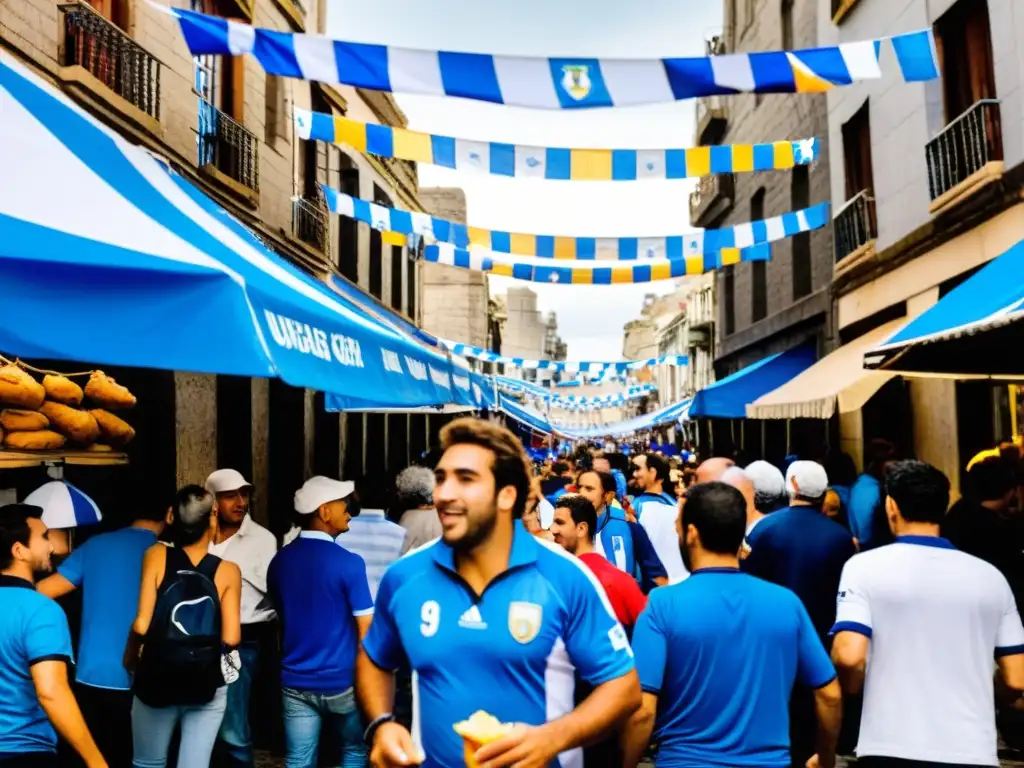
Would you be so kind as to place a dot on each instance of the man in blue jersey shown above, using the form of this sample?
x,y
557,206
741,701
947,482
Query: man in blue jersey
x,y
651,473
491,618
718,655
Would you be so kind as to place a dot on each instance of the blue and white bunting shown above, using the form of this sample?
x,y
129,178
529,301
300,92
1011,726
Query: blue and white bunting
x,y
569,366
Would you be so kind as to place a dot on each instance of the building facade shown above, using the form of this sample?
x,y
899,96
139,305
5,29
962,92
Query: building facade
x,y
526,332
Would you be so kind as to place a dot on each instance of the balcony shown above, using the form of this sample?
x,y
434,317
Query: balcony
x,y
96,53
310,223
967,155
712,120
229,152
855,228
712,199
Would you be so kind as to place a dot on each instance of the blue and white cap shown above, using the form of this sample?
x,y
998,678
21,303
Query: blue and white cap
x,y
64,505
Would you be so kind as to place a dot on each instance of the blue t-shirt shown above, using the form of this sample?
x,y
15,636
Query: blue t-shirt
x,y
721,651
317,588
33,628
803,550
108,570
511,651
655,498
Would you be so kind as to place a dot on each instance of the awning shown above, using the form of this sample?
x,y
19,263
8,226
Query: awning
x,y
972,331
670,414
524,415
729,397
106,255
836,381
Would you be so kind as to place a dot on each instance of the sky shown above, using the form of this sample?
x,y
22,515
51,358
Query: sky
x,y
590,318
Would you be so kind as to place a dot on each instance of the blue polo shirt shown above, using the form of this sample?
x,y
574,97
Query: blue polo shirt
x,y
511,651
649,498
801,549
33,628
317,588
108,570
721,651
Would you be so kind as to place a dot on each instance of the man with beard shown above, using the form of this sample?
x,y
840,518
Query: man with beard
x,y
724,701
35,651
491,618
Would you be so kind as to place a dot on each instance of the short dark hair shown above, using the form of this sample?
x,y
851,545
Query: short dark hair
x,y
559,467
660,466
511,467
372,489
920,491
191,515
879,452
990,479
14,529
719,513
581,510
607,480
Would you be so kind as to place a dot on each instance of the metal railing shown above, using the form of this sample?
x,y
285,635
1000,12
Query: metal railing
x,y
964,147
113,58
228,147
311,223
712,192
855,225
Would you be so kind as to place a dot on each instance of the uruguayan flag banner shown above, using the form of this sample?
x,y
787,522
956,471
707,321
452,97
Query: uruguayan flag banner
x,y
580,248
554,83
553,163
571,273
621,366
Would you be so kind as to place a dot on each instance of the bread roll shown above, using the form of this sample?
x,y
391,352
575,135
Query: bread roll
x,y
14,420
19,389
99,448
114,430
103,390
61,389
43,440
80,426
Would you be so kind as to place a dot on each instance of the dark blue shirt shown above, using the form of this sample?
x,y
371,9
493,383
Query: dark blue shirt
x,y
317,588
801,549
33,628
722,651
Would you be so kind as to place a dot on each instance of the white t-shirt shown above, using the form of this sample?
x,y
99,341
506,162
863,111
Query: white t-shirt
x,y
937,619
659,521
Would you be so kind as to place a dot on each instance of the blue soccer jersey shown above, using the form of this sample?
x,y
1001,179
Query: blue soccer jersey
x,y
512,651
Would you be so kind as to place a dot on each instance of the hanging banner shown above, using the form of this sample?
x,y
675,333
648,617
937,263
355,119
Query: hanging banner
x,y
579,248
552,163
660,269
553,83
571,366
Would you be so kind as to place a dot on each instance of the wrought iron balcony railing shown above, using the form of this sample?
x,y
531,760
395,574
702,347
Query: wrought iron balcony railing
x,y
855,225
113,58
712,198
228,147
310,223
965,146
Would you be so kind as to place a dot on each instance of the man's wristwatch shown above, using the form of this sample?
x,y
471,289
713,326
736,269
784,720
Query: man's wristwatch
x,y
377,722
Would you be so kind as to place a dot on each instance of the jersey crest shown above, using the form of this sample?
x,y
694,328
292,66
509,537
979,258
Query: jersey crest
x,y
524,621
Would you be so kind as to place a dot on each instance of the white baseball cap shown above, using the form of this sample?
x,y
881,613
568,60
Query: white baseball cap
x,y
320,490
806,479
225,481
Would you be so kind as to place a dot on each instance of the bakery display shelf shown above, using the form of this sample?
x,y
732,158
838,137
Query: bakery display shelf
x,y
10,459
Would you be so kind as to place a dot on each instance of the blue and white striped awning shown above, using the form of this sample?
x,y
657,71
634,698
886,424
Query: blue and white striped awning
x,y
555,83
108,256
570,366
670,414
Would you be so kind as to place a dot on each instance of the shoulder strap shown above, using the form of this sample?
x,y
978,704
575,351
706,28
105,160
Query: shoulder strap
x,y
176,560
208,566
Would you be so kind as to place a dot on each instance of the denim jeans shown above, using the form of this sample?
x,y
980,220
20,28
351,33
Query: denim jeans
x,y
235,739
153,727
303,714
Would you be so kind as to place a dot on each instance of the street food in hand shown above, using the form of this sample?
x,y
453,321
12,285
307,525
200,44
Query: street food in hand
x,y
61,389
19,389
15,420
114,430
105,391
480,729
80,426
43,440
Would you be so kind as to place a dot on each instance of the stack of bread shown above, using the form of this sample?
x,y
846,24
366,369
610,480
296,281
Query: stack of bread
x,y
45,416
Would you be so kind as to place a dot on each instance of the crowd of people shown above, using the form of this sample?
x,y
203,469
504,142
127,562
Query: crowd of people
x,y
602,605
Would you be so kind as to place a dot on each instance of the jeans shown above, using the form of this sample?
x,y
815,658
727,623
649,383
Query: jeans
x,y
108,714
153,727
303,714
235,737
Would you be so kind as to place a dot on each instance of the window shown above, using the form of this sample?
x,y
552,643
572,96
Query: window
x,y
397,262
729,305
964,41
857,161
348,229
758,269
787,25
115,11
801,198
275,110
376,286
410,287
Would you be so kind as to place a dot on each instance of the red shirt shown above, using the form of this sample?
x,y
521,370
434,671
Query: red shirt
x,y
623,593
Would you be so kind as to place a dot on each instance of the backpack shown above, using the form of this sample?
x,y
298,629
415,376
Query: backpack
x,y
180,662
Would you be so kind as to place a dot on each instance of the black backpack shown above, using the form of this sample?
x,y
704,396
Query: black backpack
x,y
180,662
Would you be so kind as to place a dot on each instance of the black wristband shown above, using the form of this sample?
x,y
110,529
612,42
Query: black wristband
x,y
376,723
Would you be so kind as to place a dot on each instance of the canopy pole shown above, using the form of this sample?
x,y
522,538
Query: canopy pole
x,y
788,424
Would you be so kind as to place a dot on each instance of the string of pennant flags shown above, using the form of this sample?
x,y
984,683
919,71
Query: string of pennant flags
x,y
564,401
554,82
579,248
552,163
568,366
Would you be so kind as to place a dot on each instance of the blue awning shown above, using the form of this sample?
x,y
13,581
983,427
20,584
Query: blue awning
x,y
972,331
108,256
524,415
669,414
729,397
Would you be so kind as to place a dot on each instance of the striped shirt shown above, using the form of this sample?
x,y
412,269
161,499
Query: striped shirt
x,y
377,540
